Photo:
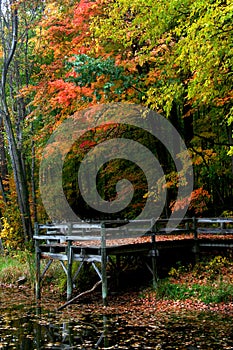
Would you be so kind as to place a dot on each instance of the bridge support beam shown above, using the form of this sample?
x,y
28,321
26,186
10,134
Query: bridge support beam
x,y
103,265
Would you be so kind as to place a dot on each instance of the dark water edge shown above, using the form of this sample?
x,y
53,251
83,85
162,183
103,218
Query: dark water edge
x,y
25,326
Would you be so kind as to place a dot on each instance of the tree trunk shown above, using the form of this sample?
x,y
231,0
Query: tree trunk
x,y
17,166
3,164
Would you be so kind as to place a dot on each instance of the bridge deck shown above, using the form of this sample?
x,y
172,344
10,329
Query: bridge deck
x,y
97,242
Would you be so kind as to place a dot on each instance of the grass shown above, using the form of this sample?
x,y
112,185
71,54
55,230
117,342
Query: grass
x,y
11,269
208,281
221,292
22,264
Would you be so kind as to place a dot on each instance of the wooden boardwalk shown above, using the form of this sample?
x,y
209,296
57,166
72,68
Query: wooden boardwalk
x,y
102,243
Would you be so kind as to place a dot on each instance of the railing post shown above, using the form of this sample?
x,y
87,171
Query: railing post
x,y
103,264
223,227
195,228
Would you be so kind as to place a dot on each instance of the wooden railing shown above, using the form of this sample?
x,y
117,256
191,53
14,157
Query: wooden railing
x,y
119,229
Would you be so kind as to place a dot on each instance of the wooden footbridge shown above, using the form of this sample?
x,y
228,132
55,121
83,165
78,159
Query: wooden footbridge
x,y
105,242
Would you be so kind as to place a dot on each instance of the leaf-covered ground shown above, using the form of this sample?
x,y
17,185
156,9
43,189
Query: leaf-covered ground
x,y
173,317
131,320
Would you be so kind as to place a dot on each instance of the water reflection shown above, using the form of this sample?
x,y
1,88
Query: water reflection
x,y
30,328
36,330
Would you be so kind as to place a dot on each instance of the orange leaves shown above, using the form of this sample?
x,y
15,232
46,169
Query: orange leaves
x,y
83,10
203,156
198,201
66,92
64,28
63,32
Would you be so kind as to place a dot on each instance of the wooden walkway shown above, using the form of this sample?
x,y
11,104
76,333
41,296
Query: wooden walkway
x,y
102,243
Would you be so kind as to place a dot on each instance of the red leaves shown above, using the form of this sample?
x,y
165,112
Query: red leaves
x,y
66,92
198,201
87,144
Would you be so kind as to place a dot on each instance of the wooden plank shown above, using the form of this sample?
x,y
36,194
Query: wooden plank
x,y
185,219
83,238
165,231
216,245
214,230
215,220
54,256
87,258
66,226
45,237
67,238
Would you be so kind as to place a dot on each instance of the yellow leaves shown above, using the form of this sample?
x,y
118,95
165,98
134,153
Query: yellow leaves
x,y
10,233
230,152
51,8
7,230
203,156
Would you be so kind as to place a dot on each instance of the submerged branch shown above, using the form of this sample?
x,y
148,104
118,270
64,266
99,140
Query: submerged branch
x,y
79,296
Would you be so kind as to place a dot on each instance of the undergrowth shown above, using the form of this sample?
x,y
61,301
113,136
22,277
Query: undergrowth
x,y
21,263
208,281
17,264
221,292
14,266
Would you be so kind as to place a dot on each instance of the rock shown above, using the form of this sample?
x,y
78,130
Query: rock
x,y
21,280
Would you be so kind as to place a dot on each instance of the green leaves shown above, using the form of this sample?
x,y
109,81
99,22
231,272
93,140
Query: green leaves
x,y
110,78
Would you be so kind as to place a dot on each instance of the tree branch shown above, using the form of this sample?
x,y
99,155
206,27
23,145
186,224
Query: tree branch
x,y
79,296
211,141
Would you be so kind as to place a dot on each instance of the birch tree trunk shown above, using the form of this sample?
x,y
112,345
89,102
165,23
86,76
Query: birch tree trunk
x,y
15,156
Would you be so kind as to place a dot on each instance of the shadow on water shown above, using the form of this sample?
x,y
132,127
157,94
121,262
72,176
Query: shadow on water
x,y
30,328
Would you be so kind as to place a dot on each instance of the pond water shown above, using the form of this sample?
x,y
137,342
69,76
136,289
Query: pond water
x,y
29,327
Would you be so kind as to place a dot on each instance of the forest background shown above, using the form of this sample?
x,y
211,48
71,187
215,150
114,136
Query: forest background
x,y
61,57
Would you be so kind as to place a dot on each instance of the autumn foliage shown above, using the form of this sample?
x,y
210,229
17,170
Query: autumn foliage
x,y
171,56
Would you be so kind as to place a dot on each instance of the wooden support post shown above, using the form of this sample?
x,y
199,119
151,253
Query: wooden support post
x,y
1,247
38,278
195,228
154,262
196,249
103,264
105,332
118,270
222,227
69,271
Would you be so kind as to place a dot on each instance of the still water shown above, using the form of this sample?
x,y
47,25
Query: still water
x,y
29,327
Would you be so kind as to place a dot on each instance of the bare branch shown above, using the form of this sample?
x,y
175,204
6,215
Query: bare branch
x,y
79,296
